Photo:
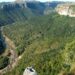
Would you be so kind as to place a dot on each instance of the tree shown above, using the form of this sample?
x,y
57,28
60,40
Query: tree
x,y
4,61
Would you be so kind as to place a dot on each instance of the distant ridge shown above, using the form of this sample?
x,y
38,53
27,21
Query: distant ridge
x,y
21,10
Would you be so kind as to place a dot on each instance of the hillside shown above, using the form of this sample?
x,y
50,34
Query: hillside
x,y
41,37
47,42
12,12
15,13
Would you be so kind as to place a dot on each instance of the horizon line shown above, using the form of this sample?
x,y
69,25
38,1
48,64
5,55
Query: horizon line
x,y
37,1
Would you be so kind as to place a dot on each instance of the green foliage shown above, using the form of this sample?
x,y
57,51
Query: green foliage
x,y
72,7
2,44
3,61
47,42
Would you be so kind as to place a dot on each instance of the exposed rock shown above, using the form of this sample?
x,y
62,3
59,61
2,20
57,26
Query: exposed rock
x,y
29,71
66,9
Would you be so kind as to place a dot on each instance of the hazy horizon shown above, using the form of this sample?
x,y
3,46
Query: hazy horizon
x,y
38,0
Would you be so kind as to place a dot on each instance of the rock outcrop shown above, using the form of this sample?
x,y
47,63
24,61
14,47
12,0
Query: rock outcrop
x,y
66,9
29,71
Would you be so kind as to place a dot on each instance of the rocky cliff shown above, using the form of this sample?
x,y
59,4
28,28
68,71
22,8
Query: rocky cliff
x,y
66,9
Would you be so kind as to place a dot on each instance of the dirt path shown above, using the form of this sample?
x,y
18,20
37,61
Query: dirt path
x,y
13,56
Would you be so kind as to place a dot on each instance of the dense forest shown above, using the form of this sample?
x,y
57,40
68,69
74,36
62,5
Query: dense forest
x,y
4,60
12,12
41,38
47,42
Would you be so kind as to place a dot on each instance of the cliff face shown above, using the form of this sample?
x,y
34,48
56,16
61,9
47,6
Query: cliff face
x,y
67,10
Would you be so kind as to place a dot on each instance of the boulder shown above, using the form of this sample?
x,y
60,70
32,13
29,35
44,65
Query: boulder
x,y
29,71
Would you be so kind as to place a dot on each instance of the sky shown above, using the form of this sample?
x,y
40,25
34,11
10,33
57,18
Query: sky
x,y
38,0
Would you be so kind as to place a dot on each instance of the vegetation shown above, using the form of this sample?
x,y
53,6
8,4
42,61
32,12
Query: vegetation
x,y
47,42
72,7
4,61
2,47
2,44
11,13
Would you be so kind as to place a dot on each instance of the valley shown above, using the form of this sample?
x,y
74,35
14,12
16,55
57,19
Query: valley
x,y
11,53
36,35
47,47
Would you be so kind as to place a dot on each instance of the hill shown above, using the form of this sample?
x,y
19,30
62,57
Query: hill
x,y
47,42
12,12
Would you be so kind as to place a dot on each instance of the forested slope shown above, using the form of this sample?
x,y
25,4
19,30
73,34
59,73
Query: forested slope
x,y
12,12
47,42
18,14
